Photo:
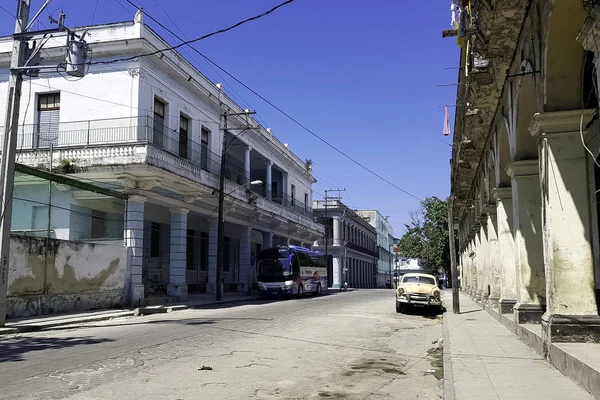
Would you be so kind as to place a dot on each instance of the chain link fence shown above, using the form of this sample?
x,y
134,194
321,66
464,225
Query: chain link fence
x,y
50,206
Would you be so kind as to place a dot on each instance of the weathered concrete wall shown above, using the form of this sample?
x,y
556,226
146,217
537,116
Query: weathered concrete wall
x,y
50,276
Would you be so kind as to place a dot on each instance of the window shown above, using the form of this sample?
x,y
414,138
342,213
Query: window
x,y
204,135
159,122
48,119
305,201
203,251
293,194
274,192
98,224
189,249
155,240
184,123
39,218
226,255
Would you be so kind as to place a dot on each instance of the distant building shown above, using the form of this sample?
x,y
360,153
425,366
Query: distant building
x,y
385,244
350,240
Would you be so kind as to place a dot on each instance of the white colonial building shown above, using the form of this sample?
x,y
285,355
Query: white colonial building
x,y
385,243
350,242
151,126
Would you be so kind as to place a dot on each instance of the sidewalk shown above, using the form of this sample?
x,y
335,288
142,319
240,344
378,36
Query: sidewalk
x,y
32,324
485,360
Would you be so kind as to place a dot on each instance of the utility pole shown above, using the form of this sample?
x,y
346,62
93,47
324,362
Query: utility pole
x,y
221,221
11,126
25,61
453,266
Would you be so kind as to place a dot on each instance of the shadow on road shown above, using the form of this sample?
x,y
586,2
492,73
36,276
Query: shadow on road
x,y
431,313
261,301
13,349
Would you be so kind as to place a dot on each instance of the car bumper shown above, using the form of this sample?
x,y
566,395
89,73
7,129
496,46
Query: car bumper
x,y
275,292
428,303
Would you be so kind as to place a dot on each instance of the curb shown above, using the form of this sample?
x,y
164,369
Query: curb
x,y
141,311
54,324
449,393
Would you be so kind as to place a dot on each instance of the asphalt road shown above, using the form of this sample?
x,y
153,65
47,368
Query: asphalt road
x,y
339,346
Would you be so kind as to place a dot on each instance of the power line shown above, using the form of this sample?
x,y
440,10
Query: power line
x,y
269,102
94,12
183,39
263,14
8,12
310,131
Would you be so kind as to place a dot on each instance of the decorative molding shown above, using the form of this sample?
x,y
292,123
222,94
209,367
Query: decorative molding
x,y
523,168
127,183
136,199
148,184
135,71
189,199
179,210
502,193
560,122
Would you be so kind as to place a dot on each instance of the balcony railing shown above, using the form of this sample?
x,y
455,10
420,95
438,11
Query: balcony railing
x,y
143,130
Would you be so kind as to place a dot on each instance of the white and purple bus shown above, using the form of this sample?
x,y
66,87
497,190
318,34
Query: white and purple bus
x,y
291,270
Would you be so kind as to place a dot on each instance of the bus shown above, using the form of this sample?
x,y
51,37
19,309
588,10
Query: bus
x,y
291,270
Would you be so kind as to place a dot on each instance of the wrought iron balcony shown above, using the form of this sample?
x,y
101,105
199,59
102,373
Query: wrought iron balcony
x,y
142,130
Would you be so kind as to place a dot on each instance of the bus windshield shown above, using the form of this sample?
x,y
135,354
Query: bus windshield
x,y
274,263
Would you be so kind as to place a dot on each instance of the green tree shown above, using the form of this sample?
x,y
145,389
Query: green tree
x,y
426,236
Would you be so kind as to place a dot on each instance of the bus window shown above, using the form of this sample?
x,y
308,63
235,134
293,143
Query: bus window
x,y
295,264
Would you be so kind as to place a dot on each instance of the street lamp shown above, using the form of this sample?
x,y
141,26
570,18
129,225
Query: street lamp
x,y
221,228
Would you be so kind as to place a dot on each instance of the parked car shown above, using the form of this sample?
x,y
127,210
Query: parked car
x,y
418,290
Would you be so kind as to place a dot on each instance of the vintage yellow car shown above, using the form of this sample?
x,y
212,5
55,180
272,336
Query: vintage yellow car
x,y
420,290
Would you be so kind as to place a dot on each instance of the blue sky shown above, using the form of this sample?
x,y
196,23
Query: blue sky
x,y
364,75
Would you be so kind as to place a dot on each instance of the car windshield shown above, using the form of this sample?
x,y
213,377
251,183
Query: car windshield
x,y
419,279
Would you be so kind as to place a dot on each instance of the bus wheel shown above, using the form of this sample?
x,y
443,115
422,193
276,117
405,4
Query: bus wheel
x,y
318,291
300,291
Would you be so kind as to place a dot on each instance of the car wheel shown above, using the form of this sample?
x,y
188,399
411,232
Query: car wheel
x,y
318,291
398,307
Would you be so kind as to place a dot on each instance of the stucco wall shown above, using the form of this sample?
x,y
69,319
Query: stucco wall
x,y
48,276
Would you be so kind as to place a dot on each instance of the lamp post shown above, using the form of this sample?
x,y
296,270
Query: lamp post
x,y
221,228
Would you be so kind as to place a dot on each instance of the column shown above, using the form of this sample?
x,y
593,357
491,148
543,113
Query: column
x,y
506,244
247,150
134,240
213,241
269,180
337,272
571,310
177,286
479,261
337,241
285,189
484,259
472,268
246,271
529,257
493,256
267,240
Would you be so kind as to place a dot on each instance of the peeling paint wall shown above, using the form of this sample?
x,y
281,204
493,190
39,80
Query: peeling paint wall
x,y
49,276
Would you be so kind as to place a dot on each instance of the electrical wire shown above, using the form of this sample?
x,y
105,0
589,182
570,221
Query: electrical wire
x,y
281,110
288,116
160,51
94,12
8,12
184,38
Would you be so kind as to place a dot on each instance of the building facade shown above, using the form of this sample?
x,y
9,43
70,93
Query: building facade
x,y
385,244
351,241
525,173
152,126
